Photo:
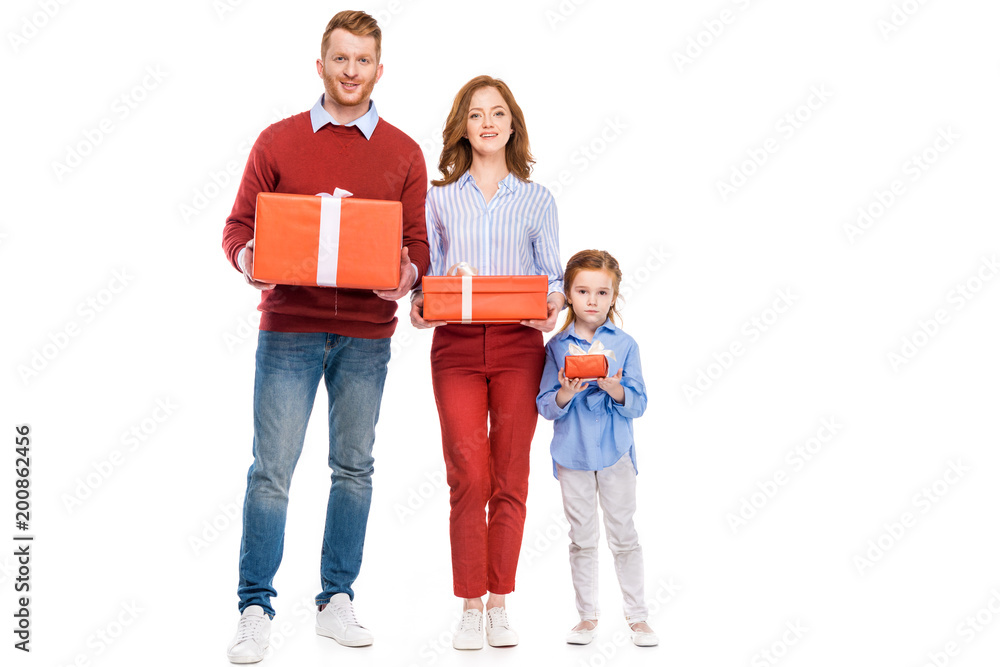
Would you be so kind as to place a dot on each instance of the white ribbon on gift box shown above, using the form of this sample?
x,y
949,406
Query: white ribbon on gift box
x,y
595,399
466,271
597,347
329,237
466,299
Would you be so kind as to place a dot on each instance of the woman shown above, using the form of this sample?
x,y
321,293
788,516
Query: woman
x,y
485,211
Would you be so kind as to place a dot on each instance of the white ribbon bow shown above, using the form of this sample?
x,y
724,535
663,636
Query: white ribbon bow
x,y
465,271
462,269
597,347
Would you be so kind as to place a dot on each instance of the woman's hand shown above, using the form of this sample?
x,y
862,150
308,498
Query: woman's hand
x,y
613,386
417,314
555,303
569,387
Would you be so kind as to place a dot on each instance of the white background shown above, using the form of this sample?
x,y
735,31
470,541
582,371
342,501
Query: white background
x,y
146,553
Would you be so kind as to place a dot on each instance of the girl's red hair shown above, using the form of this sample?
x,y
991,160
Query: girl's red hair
x,y
591,260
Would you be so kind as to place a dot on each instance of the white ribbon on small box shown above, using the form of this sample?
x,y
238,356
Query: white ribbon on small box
x,y
466,271
597,347
329,237
595,399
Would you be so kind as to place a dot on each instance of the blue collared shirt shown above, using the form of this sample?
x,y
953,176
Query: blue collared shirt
x,y
320,117
592,431
515,234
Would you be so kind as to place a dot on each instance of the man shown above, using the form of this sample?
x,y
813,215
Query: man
x,y
309,333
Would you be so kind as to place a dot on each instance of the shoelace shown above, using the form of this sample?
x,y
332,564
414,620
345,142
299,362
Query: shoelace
x,y
249,627
345,613
498,617
471,620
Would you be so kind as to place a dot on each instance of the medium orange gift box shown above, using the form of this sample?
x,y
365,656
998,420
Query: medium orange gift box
x,y
327,241
586,366
470,299
592,363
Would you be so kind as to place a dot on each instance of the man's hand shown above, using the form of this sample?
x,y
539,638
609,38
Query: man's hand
x,y
417,314
613,386
248,269
569,388
554,302
407,276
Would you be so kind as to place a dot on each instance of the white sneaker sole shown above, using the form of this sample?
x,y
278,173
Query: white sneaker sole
x,y
467,645
246,659
500,643
343,642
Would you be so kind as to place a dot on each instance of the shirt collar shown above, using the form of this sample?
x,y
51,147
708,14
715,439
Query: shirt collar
x,y
509,183
571,330
366,123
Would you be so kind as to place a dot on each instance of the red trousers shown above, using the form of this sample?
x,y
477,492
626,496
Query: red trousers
x,y
485,380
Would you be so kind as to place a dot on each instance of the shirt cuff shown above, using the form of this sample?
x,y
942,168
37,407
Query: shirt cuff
x,y
561,412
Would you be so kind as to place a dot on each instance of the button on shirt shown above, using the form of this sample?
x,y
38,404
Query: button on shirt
x,y
592,431
515,234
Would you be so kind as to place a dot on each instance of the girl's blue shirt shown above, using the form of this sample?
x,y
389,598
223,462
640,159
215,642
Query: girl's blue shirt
x,y
592,431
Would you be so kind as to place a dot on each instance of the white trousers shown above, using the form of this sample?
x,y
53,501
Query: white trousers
x,y
614,488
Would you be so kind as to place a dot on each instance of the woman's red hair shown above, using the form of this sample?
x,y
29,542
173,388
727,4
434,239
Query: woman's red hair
x,y
456,156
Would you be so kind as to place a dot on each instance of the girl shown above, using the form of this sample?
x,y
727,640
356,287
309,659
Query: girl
x,y
597,462
486,212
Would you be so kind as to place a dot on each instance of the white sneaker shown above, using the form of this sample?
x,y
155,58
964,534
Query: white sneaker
x,y
469,635
498,631
338,622
252,635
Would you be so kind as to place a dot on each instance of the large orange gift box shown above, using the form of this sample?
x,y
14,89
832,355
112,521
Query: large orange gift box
x,y
327,241
586,366
481,299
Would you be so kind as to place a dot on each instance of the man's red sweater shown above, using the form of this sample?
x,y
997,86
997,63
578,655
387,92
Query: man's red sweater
x,y
288,157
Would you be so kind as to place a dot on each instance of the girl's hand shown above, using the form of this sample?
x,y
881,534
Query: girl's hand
x,y
569,387
613,386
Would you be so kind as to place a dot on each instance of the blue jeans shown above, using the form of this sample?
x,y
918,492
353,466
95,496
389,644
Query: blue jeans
x,y
289,368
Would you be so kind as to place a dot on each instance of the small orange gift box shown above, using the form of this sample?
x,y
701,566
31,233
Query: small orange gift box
x,y
586,366
327,241
481,299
